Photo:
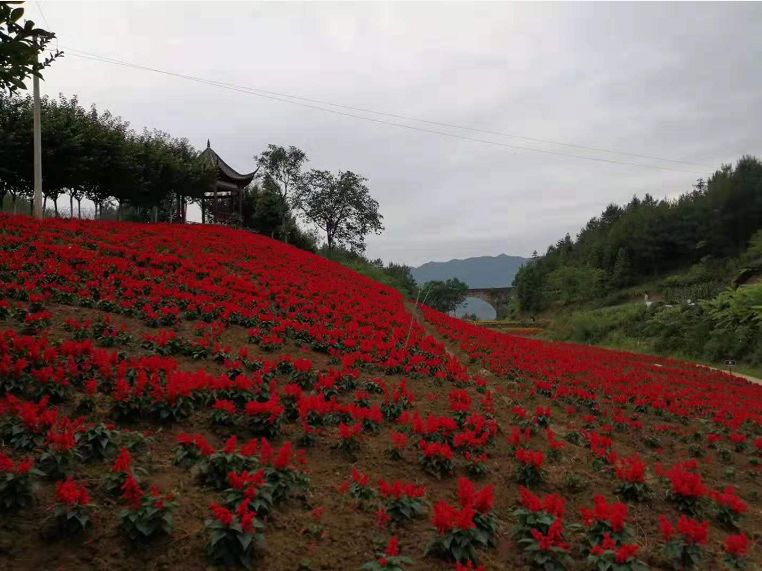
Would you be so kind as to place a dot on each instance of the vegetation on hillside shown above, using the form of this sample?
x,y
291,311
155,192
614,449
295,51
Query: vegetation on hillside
x,y
445,295
684,254
94,155
179,397
648,238
728,326
398,276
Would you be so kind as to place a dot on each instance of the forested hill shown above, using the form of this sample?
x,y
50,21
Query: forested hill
x,y
648,238
689,255
483,271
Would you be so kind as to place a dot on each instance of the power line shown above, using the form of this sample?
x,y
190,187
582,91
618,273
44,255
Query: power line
x,y
283,99
47,24
457,126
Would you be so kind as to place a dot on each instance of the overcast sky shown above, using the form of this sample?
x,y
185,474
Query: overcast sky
x,y
676,81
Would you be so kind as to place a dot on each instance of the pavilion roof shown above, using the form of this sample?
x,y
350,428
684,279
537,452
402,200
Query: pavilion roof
x,y
225,170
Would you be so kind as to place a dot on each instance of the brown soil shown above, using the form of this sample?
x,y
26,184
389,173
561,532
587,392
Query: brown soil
x,y
351,536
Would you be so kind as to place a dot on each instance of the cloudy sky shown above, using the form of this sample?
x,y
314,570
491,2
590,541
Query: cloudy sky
x,y
674,81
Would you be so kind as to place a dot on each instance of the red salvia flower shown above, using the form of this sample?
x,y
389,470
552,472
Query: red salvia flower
x,y
132,492
737,545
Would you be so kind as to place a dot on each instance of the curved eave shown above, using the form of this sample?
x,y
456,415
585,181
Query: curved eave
x,y
225,170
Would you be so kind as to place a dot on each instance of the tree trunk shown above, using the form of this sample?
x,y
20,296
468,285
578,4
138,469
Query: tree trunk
x,y
71,206
44,203
55,206
119,211
13,202
79,208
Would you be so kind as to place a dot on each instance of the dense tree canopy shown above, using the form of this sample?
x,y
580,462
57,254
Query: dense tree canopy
x,y
94,155
648,237
444,296
21,45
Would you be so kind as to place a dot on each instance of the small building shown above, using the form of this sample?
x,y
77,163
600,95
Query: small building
x,y
223,203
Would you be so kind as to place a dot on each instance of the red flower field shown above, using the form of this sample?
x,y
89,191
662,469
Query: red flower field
x,y
187,396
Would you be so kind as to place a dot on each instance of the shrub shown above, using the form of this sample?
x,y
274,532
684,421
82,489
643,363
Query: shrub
x,y
234,536
606,519
549,550
730,507
216,467
15,483
191,448
250,487
97,443
537,513
147,516
403,500
458,538
683,546
609,556
631,472
529,471
72,510
736,548
390,559
436,458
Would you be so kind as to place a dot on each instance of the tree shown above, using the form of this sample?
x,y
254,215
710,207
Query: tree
x,y
20,47
282,171
403,277
528,283
15,119
95,155
644,239
444,296
341,206
264,212
621,272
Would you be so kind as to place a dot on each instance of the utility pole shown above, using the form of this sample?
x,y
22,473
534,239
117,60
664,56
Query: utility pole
x,y
37,151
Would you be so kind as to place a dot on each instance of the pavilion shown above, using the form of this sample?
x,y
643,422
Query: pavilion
x,y
224,202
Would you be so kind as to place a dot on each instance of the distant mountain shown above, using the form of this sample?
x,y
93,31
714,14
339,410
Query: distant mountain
x,y
483,271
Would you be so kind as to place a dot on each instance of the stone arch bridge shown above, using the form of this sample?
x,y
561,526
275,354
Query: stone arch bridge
x,y
497,297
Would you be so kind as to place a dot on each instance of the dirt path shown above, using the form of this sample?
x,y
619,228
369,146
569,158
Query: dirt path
x,y
451,348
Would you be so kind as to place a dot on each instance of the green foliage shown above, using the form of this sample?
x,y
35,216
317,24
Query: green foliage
x,y
444,296
232,545
152,519
570,284
97,443
72,520
16,490
647,238
341,206
21,44
281,168
728,326
457,545
94,155
398,276
598,325
683,555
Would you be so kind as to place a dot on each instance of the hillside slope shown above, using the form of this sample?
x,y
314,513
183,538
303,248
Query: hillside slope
x,y
256,391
